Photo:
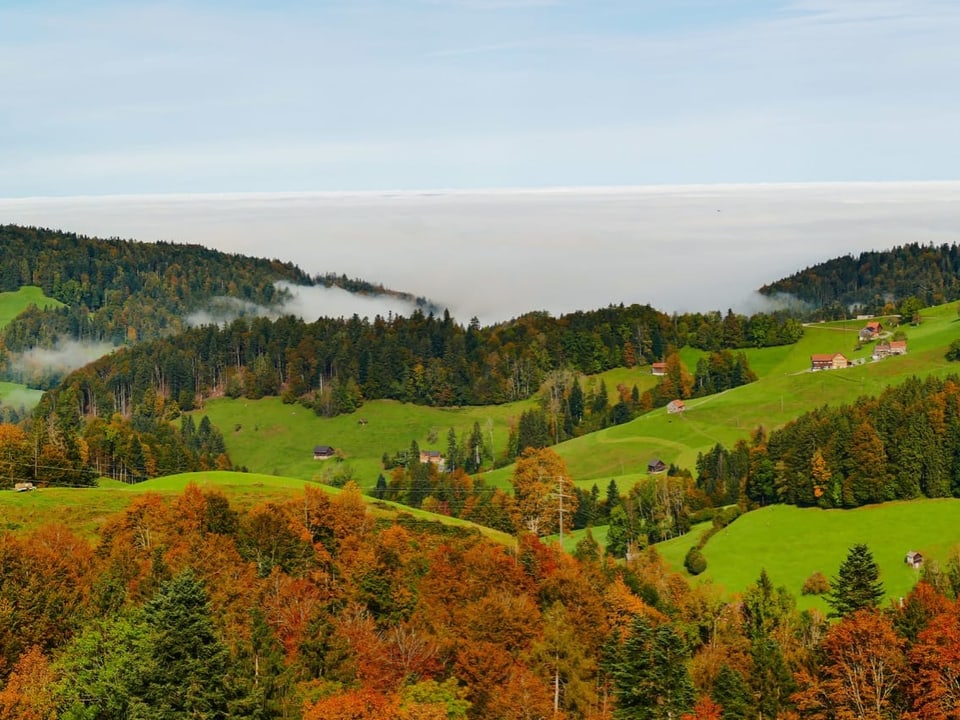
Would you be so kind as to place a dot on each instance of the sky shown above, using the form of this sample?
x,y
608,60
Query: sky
x,y
210,96
496,156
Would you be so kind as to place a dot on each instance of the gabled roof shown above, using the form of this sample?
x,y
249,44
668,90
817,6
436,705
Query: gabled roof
x,y
898,344
322,449
874,326
826,357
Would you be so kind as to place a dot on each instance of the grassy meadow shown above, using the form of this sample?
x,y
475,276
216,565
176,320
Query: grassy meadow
x,y
14,303
11,305
793,543
268,436
86,509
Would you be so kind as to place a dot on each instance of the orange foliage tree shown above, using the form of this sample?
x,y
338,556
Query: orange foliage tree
x,y
862,670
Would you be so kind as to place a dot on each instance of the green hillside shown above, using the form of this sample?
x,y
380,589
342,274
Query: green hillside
x,y
269,436
785,389
85,509
14,303
11,305
793,543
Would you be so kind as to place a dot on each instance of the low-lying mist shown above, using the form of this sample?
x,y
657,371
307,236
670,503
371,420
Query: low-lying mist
x,y
498,254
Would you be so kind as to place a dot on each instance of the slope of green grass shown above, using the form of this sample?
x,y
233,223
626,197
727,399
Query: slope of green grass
x,y
85,509
15,395
785,389
269,436
793,543
11,305
14,303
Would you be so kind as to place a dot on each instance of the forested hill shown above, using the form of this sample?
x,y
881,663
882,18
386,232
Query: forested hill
x,y
122,291
918,275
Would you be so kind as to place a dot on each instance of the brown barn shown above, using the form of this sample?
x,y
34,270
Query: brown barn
x,y
831,361
323,452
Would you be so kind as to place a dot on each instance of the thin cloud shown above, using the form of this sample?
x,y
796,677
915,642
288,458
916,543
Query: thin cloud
x,y
498,254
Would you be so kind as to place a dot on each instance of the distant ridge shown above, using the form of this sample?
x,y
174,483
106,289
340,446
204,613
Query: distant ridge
x,y
877,281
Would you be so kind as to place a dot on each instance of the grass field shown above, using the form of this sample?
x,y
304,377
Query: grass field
x,y
85,509
11,305
14,303
793,543
268,436
15,395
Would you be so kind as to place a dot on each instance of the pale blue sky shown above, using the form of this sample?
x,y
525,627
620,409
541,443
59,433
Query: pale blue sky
x,y
119,98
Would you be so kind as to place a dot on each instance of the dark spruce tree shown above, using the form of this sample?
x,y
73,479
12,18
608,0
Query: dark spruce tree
x,y
857,586
650,674
188,662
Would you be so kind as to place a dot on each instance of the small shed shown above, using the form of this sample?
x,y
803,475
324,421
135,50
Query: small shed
x,y
658,369
24,487
870,331
676,406
323,452
914,559
656,466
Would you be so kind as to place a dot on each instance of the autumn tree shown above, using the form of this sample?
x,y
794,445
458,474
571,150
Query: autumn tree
x,y
565,663
29,692
543,489
861,673
934,691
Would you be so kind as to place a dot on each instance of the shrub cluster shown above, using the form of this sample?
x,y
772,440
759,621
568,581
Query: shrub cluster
x,y
816,584
695,562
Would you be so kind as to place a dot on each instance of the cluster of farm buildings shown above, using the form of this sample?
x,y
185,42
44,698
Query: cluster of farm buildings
x,y
870,332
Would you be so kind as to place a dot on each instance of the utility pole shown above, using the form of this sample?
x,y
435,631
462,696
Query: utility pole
x,y
560,495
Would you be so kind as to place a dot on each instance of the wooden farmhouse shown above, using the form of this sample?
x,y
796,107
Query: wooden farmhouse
x,y
323,452
914,560
431,456
658,369
831,361
870,331
656,466
886,349
676,406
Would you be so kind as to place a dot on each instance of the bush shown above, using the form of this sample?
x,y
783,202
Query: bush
x,y
695,562
953,353
816,584
726,516
701,515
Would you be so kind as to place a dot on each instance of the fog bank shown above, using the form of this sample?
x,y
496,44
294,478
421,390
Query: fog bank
x,y
498,254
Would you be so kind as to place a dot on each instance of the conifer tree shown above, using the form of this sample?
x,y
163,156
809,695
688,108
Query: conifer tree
x,y
187,661
857,586
650,676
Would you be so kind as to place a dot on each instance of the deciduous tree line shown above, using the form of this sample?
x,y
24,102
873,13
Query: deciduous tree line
x,y
311,608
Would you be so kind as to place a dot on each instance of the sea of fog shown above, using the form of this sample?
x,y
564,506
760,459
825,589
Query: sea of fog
x,y
498,254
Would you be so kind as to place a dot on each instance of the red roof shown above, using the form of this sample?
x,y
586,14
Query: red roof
x,y
898,344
